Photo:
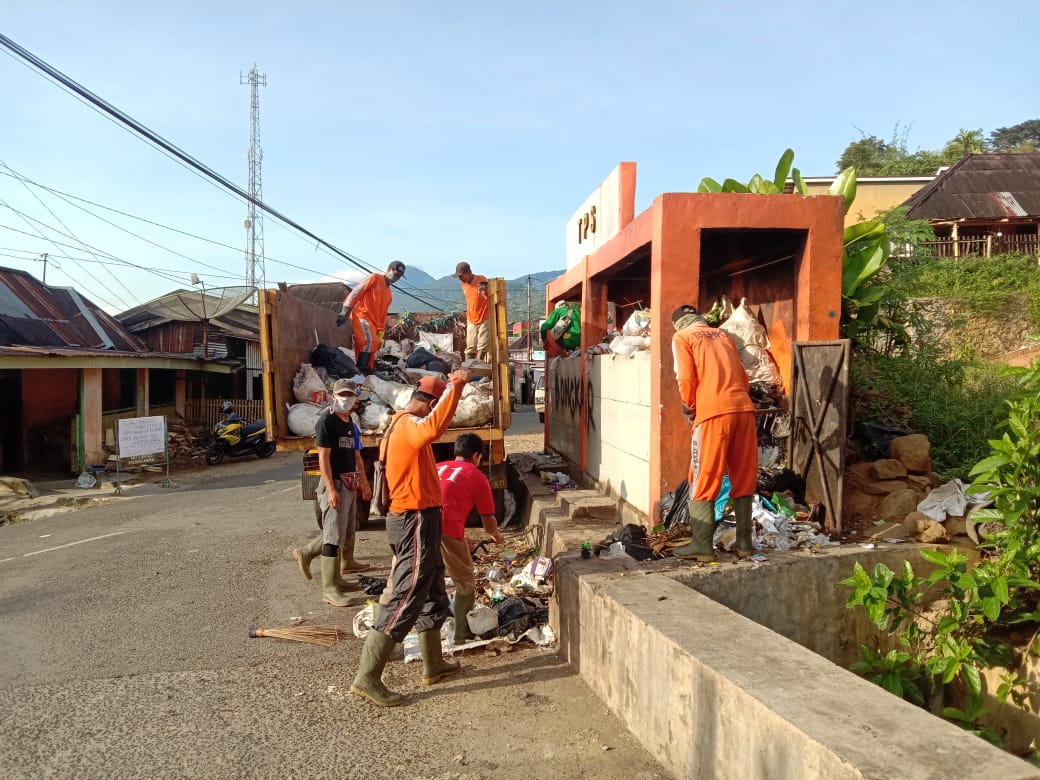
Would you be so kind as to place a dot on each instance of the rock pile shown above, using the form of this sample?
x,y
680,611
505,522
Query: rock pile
x,y
882,496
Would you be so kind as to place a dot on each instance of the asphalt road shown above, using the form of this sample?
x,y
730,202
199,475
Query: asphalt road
x,y
123,653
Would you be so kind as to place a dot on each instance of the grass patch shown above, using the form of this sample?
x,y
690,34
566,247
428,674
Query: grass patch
x,y
958,405
985,286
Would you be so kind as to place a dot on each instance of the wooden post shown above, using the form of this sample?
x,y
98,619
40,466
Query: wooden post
x,y
90,414
180,392
142,392
989,245
955,235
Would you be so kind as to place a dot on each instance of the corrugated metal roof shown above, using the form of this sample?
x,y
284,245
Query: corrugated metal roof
x,y
34,314
982,186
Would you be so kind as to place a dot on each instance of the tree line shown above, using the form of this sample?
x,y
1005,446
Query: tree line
x,y
873,156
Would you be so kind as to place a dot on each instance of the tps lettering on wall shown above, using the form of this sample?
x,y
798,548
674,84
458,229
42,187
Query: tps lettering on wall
x,y
604,213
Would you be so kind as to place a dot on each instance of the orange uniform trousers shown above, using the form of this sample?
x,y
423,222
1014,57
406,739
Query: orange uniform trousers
x,y
726,440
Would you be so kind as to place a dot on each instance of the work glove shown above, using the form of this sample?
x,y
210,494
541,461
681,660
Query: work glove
x,y
689,414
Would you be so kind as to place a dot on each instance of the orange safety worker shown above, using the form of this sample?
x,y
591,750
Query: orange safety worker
x,y
366,307
478,325
413,529
714,390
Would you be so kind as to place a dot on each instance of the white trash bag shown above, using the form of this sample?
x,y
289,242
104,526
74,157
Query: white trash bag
x,y
303,417
306,383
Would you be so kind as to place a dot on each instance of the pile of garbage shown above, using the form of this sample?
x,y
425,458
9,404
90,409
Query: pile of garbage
x,y
387,389
514,584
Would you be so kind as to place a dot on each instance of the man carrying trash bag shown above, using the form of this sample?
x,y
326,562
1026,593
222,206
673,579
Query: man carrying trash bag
x,y
413,529
714,389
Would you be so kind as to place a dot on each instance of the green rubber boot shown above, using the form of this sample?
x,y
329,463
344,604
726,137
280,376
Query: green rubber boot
x,y
369,679
702,524
742,509
304,555
330,593
349,564
463,604
434,667
342,584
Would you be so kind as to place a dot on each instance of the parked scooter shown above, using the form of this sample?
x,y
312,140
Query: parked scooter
x,y
235,437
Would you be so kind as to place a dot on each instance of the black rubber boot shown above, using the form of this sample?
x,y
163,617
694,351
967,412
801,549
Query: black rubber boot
x,y
362,363
369,679
702,524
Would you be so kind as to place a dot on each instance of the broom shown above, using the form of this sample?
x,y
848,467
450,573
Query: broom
x,y
315,635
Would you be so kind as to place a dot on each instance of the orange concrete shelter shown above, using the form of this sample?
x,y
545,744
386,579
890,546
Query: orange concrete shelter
x,y
616,417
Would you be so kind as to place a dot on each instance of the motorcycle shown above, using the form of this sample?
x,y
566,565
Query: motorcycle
x,y
235,437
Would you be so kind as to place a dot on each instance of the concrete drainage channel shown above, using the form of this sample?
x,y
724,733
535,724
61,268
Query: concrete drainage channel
x,y
739,671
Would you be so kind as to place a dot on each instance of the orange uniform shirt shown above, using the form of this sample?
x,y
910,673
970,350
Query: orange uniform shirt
x,y
411,469
711,378
476,299
370,300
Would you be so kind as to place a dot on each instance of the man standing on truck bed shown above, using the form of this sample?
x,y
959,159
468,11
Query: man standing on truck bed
x,y
413,529
366,307
478,325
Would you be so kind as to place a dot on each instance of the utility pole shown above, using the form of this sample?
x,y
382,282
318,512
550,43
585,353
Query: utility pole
x,y
254,223
530,330
43,257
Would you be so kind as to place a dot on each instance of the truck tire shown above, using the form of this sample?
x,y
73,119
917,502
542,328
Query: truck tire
x,y
541,417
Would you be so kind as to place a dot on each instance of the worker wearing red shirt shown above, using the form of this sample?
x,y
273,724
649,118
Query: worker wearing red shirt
x,y
413,529
464,487
366,307
478,324
714,390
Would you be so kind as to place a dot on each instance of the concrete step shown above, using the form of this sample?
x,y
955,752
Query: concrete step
x,y
588,505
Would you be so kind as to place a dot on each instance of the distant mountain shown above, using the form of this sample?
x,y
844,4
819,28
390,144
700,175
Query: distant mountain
x,y
445,294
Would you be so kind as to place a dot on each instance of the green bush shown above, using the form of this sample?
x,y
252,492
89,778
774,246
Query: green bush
x,y
957,405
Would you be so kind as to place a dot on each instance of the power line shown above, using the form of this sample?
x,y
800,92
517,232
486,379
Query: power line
x,y
160,142
67,228
173,275
29,220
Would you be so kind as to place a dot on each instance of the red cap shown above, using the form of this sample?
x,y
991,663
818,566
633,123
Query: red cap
x,y
432,385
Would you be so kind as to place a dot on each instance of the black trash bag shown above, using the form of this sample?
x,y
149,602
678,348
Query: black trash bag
x,y
876,438
334,361
633,539
373,586
518,613
770,482
680,512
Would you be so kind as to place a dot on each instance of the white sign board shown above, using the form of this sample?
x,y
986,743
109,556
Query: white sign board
x,y
138,436
602,215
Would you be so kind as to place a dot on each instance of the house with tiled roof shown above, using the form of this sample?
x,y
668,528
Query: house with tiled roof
x,y
984,204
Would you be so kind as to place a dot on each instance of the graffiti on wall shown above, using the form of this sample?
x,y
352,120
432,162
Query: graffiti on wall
x,y
567,397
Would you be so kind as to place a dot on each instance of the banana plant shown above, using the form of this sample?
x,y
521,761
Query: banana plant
x,y
866,248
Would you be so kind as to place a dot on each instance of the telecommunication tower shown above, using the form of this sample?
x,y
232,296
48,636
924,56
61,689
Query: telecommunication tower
x,y
254,223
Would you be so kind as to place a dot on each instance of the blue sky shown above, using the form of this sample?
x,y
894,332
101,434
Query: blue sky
x,y
435,132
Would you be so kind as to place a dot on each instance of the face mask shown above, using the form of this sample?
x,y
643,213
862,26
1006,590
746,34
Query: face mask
x,y
342,403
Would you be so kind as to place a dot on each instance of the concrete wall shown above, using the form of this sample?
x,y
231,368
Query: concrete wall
x,y
563,409
711,693
619,430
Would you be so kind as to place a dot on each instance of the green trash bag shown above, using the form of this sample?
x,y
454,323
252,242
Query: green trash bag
x,y
570,332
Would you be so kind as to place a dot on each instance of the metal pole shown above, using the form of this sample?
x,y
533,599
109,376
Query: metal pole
x,y
529,329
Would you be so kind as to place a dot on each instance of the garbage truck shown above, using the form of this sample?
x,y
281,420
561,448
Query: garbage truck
x,y
293,320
